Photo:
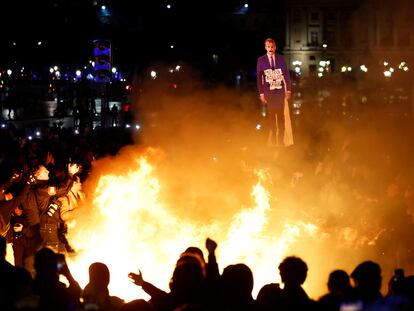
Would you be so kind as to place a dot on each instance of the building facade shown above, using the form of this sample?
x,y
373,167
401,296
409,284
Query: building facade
x,y
345,35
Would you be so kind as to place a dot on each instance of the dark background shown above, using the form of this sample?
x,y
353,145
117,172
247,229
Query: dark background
x,y
141,31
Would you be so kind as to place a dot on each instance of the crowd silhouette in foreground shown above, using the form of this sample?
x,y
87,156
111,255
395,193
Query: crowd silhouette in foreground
x,y
196,284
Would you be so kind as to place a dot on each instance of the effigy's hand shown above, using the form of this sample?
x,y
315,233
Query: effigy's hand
x,y
288,95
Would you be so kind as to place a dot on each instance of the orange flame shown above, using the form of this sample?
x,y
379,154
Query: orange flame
x,y
128,228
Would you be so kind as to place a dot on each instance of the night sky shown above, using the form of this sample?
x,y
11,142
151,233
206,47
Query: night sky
x,y
141,32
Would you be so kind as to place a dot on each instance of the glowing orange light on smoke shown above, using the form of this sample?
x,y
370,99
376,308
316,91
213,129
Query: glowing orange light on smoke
x,y
129,228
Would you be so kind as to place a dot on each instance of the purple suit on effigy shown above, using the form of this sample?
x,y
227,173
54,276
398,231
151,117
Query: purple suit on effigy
x,y
273,82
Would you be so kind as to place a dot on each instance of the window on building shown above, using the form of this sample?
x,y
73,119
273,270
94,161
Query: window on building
x,y
331,38
297,16
312,69
314,16
312,57
296,35
314,38
331,17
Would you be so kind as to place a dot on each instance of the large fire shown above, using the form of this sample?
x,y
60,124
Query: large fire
x,y
127,227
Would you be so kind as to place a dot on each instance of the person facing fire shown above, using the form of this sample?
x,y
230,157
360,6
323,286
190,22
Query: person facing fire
x,y
274,86
39,209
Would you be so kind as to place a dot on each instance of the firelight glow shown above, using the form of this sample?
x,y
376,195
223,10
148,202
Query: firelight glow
x,y
128,228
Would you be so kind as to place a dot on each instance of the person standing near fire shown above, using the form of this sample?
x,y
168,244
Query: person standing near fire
x,y
274,86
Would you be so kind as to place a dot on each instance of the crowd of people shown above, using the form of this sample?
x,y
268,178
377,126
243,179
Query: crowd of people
x,y
196,284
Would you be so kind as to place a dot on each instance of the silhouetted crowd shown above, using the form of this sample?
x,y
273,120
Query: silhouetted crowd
x,y
196,284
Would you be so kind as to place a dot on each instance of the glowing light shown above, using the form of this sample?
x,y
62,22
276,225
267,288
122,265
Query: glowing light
x,y
171,46
129,206
320,74
153,74
385,63
137,127
349,68
321,69
78,73
258,127
297,63
405,68
39,42
343,69
9,72
168,6
246,5
103,7
363,68
113,69
324,45
55,68
387,73
391,69
127,126
37,133
177,68
297,69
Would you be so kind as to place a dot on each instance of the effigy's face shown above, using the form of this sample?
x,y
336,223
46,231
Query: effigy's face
x,y
270,47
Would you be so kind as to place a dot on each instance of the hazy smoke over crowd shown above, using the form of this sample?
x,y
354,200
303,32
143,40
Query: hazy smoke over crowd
x,y
345,187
